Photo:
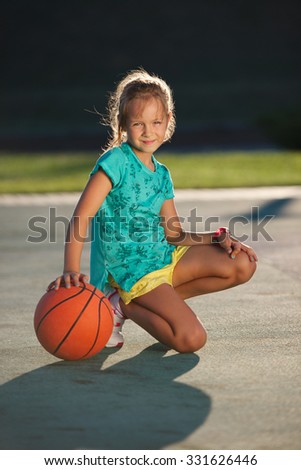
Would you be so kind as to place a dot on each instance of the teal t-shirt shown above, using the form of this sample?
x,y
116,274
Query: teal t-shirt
x,y
127,240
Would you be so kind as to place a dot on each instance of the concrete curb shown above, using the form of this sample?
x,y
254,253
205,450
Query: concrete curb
x,y
230,194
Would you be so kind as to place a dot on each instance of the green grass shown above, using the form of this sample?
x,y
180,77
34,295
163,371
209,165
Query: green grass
x,y
50,172
235,169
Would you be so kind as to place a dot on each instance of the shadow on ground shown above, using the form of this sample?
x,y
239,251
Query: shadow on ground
x,y
274,207
133,404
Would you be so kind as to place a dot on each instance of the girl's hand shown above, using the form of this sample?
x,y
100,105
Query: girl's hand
x,y
232,246
68,278
250,252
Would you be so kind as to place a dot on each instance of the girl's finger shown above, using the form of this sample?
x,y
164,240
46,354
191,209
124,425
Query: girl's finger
x,y
226,244
57,283
50,286
75,278
250,252
84,277
252,255
236,248
67,281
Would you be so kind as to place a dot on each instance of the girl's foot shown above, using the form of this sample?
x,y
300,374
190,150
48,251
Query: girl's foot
x,y
116,340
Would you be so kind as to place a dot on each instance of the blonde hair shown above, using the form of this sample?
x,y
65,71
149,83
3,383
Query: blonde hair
x,y
136,84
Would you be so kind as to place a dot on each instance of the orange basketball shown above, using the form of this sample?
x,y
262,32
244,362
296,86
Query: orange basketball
x,y
73,323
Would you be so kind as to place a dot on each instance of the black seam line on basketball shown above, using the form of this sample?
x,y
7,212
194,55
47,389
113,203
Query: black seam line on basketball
x,y
73,325
95,293
109,310
98,328
56,305
99,318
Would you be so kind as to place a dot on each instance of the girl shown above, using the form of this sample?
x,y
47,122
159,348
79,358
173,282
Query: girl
x,y
141,257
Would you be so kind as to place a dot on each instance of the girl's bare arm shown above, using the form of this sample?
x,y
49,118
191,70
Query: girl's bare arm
x,y
95,192
175,234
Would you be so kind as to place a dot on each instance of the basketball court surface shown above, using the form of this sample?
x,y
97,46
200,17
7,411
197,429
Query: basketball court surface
x,y
242,391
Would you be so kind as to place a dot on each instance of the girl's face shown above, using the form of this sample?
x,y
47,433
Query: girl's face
x,y
146,125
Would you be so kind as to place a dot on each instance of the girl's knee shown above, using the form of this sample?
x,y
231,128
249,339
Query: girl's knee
x,y
190,342
244,268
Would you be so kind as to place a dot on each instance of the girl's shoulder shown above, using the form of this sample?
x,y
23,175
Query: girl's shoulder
x,y
114,156
163,169
113,152
113,163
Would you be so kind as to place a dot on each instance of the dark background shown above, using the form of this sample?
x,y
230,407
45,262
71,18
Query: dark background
x,y
234,67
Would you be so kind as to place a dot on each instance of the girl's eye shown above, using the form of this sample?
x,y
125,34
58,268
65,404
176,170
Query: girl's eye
x,y
137,124
157,122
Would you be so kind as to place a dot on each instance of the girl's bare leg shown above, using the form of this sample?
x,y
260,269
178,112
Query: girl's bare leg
x,y
205,269
163,312
164,315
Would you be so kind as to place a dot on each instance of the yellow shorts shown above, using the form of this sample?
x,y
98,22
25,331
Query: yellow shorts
x,y
151,280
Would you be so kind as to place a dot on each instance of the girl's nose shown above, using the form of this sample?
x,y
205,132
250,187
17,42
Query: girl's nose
x,y
146,130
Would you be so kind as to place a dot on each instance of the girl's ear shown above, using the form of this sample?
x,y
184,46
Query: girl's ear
x,y
169,116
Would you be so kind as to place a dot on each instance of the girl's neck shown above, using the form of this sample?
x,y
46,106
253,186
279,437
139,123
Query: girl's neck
x,y
145,158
